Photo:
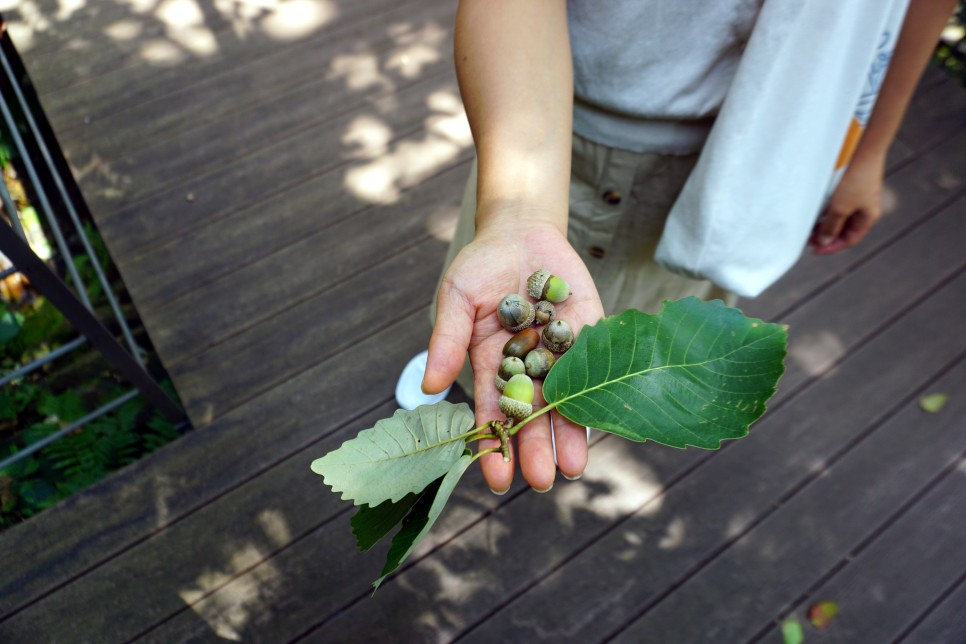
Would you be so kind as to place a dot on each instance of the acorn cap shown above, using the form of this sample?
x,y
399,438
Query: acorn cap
x,y
536,283
499,382
515,408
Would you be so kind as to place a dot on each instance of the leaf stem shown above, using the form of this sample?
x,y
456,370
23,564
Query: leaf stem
x,y
491,450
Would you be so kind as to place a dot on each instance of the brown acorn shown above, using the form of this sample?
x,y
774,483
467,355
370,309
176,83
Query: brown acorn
x,y
522,343
514,313
558,336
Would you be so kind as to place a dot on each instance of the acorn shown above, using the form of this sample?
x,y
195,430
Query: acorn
x,y
544,286
544,312
514,313
517,399
522,343
510,367
558,336
538,363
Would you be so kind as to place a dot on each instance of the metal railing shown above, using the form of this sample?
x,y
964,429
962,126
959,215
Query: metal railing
x,y
74,304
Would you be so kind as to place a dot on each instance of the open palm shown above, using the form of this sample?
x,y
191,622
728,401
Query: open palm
x,y
486,270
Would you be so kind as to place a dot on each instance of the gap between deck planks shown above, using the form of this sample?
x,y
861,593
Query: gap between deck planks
x,y
944,622
214,603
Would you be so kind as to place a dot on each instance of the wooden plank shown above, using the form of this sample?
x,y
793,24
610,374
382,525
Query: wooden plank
x,y
452,590
853,500
592,594
911,193
947,623
883,589
221,280
155,142
226,240
177,480
273,350
268,172
68,102
933,115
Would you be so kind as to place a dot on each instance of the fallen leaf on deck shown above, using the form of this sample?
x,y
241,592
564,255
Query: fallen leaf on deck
x,y
933,402
792,632
821,614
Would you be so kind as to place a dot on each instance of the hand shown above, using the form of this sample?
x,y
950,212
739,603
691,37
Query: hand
x,y
854,208
494,264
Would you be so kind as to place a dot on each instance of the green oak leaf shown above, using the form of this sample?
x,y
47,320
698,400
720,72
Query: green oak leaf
x,y
372,523
399,455
422,517
694,374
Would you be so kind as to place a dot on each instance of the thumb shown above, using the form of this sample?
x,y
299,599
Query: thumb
x,y
450,340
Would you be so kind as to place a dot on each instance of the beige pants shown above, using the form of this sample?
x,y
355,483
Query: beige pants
x,y
619,201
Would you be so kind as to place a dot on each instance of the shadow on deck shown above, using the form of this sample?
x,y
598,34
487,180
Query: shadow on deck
x,y
277,182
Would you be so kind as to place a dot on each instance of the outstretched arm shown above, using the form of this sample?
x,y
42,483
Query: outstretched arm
x,y
515,75
855,205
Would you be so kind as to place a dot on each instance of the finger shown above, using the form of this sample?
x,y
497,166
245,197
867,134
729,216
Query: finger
x,y
858,227
830,226
536,449
450,340
571,441
497,473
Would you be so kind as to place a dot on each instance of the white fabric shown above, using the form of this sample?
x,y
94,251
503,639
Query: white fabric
x,y
748,207
649,76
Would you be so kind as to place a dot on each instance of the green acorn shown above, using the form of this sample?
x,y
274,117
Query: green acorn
x,y
517,399
510,367
544,286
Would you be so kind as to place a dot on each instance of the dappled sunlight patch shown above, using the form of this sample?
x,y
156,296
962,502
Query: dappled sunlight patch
x,y
67,8
239,601
441,222
123,30
816,352
890,199
275,527
293,19
30,23
186,26
416,49
612,487
360,70
673,536
411,161
368,134
159,51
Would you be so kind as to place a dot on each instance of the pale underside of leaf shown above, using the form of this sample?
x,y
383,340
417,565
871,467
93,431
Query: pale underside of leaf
x,y
694,374
399,455
421,518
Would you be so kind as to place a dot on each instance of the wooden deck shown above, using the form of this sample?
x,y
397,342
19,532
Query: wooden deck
x,y
277,181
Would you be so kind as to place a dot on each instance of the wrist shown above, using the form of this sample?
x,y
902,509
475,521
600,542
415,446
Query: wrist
x,y
514,217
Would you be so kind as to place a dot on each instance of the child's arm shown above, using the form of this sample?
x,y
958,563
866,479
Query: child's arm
x,y
514,67
855,205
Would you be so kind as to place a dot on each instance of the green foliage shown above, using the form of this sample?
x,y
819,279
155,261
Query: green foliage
x,y
694,374
79,458
792,632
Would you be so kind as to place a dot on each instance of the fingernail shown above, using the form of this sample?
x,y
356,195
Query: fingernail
x,y
824,240
543,491
571,478
499,493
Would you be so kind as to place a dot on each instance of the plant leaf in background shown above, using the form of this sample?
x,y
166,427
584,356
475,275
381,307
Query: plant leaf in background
x,y
792,632
696,373
821,614
422,517
399,455
933,402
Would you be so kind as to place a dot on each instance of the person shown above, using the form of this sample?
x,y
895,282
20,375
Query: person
x,y
583,142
